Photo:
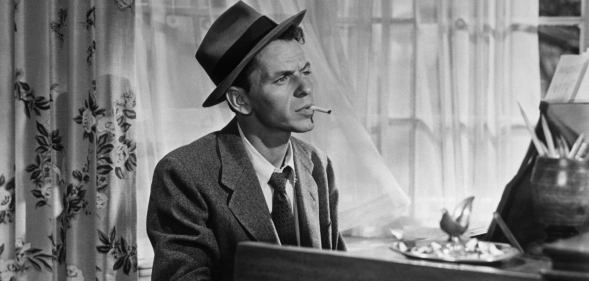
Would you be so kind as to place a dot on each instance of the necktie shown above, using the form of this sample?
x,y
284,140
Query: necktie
x,y
282,214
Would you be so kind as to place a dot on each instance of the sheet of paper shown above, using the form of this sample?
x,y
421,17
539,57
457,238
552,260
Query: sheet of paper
x,y
583,91
567,78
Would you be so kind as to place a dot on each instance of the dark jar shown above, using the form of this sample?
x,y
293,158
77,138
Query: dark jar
x,y
560,192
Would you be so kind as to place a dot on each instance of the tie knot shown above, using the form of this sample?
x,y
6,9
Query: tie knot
x,y
278,180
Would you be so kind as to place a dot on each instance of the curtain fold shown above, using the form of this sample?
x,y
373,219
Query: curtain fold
x,y
69,160
475,61
439,83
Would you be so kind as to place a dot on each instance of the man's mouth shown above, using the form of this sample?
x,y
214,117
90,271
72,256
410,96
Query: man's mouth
x,y
305,108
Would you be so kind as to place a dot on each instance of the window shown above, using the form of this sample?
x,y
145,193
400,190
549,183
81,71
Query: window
x,y
562,29
378,38
437,85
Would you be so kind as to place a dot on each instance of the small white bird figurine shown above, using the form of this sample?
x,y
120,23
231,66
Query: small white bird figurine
x,y
457,223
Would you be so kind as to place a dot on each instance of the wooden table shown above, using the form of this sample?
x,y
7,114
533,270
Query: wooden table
x,y
369,259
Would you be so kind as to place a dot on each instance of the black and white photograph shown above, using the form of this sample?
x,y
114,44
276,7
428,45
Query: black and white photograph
x,y
294,140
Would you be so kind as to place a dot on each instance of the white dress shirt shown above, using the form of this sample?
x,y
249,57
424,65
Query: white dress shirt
x,y
264,170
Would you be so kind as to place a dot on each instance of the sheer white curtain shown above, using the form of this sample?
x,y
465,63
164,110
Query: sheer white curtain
x,y
436,84
423,96
474,61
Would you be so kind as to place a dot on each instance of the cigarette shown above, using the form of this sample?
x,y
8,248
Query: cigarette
x,y
320,109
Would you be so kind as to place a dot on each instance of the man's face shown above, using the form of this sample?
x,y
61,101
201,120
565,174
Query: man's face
x,y
281,90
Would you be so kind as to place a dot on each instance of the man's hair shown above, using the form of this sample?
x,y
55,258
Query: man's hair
x,y
243,79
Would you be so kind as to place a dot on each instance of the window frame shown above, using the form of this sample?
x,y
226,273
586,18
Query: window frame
x,y
582,22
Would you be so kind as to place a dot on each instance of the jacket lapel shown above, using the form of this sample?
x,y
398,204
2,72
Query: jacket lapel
x,y
247,201
306,192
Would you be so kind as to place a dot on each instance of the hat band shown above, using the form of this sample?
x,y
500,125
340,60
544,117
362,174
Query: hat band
x,y
237,52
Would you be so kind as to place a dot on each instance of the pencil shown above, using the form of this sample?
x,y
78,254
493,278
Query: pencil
x,y
581,152
565,146
537,143
548,137
576,146
507,232
561,150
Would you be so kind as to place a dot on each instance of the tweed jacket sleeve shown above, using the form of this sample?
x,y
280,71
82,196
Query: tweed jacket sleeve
x,y
184,248
325,186
338,241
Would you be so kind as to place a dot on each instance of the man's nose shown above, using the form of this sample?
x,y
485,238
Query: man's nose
x,y
304,87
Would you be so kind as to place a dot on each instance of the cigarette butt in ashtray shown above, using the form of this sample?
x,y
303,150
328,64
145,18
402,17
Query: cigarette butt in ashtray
x,y
320,109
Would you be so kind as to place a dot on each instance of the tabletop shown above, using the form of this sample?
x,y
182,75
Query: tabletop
x,y
372,259
525,266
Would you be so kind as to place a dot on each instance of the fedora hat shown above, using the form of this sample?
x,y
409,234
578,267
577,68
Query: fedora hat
x,y
232,41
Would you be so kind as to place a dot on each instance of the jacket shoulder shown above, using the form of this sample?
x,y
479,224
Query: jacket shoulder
x,y
204,148
307,147
313,152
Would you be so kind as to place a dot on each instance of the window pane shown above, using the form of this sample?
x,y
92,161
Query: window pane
x,y
402,9
401,65
347,9
428,11
377,9
396,152
562,8
555,41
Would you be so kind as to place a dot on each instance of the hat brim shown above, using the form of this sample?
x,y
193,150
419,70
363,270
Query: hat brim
x,y
217,96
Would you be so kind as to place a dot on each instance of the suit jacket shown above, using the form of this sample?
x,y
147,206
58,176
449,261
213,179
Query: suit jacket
x,y
206,198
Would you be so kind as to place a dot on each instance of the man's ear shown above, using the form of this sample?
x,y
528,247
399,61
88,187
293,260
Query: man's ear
x,y
238,100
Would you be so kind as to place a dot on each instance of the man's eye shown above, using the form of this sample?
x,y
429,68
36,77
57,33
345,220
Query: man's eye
x,y
307,72
282,79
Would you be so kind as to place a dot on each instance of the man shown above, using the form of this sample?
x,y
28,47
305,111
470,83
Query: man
x,y
251,181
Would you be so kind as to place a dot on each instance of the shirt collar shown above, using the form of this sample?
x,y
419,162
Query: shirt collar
x,y
263,167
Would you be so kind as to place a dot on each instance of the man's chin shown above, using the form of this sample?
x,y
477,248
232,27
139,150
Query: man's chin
x,y
304,129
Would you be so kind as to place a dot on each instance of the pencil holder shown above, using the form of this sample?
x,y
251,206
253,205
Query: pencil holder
x,y
560,192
